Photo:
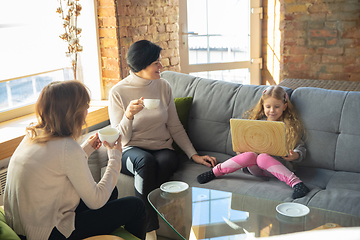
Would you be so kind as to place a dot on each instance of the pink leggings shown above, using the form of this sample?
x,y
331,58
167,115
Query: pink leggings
x,y
258,165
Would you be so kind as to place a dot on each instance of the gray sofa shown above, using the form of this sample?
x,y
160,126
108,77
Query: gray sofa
x,y
331,168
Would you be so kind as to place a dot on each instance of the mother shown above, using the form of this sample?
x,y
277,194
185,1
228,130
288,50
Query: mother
x,y
49,192
148,134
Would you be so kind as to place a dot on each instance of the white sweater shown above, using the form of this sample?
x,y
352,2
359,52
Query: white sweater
x,y
150,129
45,183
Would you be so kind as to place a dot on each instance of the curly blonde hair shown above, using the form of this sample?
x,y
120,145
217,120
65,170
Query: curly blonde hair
x,y
293,125
60,111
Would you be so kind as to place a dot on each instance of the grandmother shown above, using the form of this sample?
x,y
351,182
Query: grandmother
x,y
148,134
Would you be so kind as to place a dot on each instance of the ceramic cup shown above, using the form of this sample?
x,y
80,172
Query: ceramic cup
x,y
151,103
109,134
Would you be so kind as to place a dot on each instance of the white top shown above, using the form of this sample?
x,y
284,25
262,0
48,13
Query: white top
x,y
45,183
150,129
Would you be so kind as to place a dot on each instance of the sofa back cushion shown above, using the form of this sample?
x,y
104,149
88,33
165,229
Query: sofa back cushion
x,y
214,103
212,107
331,119
183,107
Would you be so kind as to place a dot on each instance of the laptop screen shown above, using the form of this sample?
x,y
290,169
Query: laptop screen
x,y
258,136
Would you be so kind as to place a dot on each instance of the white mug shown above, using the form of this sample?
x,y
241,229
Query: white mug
x,y
151,103
109,135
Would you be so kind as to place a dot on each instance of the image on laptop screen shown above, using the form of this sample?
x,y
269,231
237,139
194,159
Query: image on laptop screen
x,y
258,136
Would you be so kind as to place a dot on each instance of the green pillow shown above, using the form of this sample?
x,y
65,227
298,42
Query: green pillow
x,y
2,214
6,233
183,106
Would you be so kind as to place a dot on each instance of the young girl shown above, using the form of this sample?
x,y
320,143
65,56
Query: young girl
x,y
50,192
274,105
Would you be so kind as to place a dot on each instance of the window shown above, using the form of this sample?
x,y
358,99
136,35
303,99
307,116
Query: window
x,y
18,96
221,40
241,76
30,42
33,55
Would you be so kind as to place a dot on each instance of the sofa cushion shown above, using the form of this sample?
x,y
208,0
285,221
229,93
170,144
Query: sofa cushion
x,y
214,103
338,200
333,132
209,126
6,233
182,85
183,106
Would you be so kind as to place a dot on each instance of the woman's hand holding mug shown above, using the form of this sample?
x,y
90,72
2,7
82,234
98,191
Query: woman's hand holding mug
x,y
134,107
117,144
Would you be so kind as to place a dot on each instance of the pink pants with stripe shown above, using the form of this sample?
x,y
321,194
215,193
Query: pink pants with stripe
x,y
258,165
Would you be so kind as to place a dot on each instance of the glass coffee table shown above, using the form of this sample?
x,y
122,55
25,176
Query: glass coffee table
x,y
200,213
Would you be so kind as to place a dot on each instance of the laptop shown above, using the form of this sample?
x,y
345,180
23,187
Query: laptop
x,y
258,136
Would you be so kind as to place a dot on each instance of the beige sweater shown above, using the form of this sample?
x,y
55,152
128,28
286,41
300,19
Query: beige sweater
x,y
45,183
150,129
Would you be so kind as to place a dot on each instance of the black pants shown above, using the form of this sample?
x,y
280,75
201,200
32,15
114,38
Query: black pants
x,y
150,169
128,212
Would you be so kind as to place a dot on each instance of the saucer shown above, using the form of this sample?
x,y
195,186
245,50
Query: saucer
x,y
168,195
291,220
174,186
292,209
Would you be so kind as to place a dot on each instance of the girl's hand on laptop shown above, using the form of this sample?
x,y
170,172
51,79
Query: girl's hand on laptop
x,y
292,156
205,160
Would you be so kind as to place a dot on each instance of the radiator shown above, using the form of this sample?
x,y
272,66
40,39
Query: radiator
x,y
3,173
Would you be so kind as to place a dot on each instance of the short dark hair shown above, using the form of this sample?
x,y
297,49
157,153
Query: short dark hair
x,y
141,54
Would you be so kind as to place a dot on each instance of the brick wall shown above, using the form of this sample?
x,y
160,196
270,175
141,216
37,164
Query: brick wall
x,y
312,39
321,39
124,22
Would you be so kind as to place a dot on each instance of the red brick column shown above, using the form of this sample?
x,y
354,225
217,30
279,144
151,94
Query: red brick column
x,y
156,21
123,22
109,45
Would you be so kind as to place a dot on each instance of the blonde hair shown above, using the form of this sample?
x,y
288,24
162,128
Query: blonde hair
x,y
60,111
293,125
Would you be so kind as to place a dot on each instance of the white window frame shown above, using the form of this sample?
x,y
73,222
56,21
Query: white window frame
x,y
254,65
23,109
90,61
